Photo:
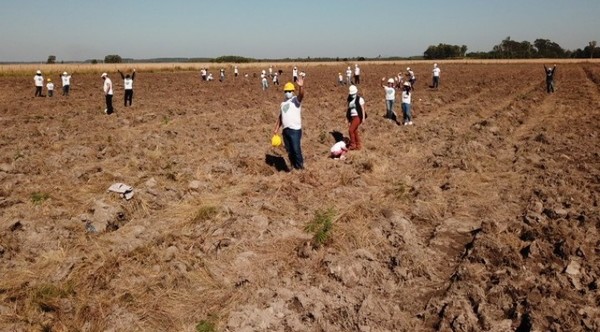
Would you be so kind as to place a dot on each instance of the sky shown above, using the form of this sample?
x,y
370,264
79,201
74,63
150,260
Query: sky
x,y
76,30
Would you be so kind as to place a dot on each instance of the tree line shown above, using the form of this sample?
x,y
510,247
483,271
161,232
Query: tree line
x,y
512,49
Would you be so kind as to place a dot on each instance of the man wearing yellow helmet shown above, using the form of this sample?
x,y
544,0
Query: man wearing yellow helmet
x,y
290,118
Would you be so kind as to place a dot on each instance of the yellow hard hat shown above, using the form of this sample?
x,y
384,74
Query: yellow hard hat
x,y
276,140
289,86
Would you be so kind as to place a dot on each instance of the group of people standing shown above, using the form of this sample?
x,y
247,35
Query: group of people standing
x,y
38,80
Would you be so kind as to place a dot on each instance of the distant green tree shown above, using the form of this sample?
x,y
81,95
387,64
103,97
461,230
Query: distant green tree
x,y
548,49
113,58
232,59
94,61
51,59
444,51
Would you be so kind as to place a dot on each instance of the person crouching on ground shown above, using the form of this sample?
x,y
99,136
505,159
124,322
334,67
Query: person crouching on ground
x,y
406,112
355,114
339,149
290,118
128,84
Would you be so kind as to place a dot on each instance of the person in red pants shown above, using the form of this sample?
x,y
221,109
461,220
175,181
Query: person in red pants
x,y
356,115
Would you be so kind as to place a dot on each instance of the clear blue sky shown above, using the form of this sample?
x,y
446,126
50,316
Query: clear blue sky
x,y
90,29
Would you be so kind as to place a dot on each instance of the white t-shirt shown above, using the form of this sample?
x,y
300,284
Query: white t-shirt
x,y
235,70
39,80
390,93
66,80
348,72
128,83
291,110
275,79
50,86
108,87
338,147
436,72
352,106
411,74
406,97
295,72
356,71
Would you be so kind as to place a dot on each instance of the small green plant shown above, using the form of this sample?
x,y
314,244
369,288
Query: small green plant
x,y
38,198
166,120
322,137
205,326
205,213
321,226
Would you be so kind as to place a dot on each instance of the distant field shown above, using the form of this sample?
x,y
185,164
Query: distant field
x,y
26,69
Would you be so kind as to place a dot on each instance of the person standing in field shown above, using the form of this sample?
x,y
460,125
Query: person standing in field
x,y
295,74
390,98
436,76
349,76
411,77
356,74
236,72
222,75
38,79
290,118
128,84
50,88
66,83
264,82
108,93
275,79
550,78
406,98
270,71
356,114
340,79
203,72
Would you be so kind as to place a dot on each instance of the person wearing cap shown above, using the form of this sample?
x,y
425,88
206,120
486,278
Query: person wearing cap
x,y
341,79
390,98
38,79
108,93
128,85
275,79
411,77
221,75
66,83
436,76
356,114
356,74
348,76
406,97
50,87
295,74
236,72
550,78
203,72
264,81
290,118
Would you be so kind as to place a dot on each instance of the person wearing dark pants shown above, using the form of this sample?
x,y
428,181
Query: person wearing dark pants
x,y
290,118
39,83
108,93
66,83
128,84
550,78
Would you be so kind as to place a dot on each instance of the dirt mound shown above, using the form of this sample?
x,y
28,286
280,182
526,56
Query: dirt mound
x,y
483,216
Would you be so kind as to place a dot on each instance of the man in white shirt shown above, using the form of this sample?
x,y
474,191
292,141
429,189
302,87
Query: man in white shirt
x,y
290,118
38,79
349,76
295,73
128,85
66,83
436,76
108,93
50,88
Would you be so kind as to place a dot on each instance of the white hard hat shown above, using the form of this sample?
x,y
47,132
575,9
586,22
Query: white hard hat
x,y
406,84
407,68
391,80
352,90
65,73
104,75
38,72
435,64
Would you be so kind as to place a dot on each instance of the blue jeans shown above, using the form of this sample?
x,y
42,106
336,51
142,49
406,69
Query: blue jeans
x,y
406,112
292,139
389,107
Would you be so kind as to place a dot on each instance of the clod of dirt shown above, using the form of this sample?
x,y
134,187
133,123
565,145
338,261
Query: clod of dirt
x,y
170,253
304,250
